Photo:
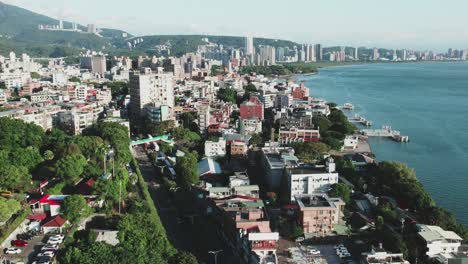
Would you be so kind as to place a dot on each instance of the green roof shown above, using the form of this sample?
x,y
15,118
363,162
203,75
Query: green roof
x,y
164,138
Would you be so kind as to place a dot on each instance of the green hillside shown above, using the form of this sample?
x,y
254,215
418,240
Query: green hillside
x,y
19,32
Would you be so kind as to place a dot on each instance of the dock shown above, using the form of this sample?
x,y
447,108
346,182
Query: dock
x,y
360,120
386,131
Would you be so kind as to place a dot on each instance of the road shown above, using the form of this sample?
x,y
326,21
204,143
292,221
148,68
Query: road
x,y
197,238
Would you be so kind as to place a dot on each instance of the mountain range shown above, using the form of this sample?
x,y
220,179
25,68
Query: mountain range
x,y
19,32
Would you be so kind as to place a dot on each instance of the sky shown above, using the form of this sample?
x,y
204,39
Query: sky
x,y
415,24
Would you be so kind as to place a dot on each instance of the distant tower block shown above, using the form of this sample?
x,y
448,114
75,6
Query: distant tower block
x,y
61,24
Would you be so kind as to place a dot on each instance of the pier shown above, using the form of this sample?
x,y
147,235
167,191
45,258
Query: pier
x,y
386,131
360,120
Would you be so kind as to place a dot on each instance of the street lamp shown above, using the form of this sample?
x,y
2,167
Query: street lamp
x,y
215,253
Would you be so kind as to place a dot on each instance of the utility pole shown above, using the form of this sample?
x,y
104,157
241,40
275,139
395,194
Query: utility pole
x,y
120,193
215,253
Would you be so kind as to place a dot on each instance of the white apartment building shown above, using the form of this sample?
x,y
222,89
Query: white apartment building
x,y
148,88
77,119
215,148
439,241
351,142
309,180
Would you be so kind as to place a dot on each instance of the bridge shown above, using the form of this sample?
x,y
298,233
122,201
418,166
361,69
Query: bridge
x,y
151,139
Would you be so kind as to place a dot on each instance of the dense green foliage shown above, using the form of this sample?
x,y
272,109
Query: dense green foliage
x,y
75,208
310,151
280,70
340,190
7,208
227,95
187,169
334,128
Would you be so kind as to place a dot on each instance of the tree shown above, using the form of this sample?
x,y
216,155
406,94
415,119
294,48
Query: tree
x,y
118,89
28,157
250,88
183,257
75,79
92,147
139,245
48,155
35,75
227,95
7,208
187,169
70,167
95,252
310,151
16,133
74,208
340,190
14,177
256,139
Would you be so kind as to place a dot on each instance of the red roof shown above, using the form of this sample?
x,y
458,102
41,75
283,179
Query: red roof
x,y
45,200
37,217
57,221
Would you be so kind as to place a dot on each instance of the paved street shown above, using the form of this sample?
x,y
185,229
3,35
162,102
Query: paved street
x,y
199,237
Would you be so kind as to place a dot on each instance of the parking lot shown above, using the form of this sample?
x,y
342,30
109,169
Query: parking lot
x,y
29,253
329,253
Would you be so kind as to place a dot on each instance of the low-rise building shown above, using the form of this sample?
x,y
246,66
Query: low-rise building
x,y
350,142
215,148
438,241
274,160
380,256
319,213
309,180
295,134
238,148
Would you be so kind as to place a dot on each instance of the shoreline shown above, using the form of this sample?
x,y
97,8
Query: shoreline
x,y
374,155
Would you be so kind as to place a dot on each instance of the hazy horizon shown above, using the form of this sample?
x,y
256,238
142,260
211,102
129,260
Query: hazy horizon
x,y
417,24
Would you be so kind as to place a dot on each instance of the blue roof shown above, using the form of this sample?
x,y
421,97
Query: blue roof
x,y
208,166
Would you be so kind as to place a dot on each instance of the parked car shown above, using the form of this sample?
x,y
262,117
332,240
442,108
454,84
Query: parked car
x,y
300,239
58,236
13,251
47,253
49,247
54,241
19,243
25,236
43,260
314,252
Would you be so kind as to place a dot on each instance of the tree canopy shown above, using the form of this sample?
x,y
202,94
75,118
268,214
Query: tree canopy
x,y
187,169
75,207
310,151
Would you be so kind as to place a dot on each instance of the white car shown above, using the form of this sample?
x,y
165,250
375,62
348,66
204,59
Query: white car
x,y
344,255
13,251
54,241
58,237
47,253
300,239
49,247
314,252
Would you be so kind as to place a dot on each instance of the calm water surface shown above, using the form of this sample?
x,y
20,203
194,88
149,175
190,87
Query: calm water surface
x,y
426,101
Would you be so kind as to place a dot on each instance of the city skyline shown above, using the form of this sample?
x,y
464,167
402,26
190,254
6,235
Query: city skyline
x,y
360,23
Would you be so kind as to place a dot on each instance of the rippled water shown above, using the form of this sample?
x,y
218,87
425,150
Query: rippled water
x,y
426,101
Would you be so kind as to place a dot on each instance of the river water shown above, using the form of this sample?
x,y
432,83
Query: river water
x,y
426,101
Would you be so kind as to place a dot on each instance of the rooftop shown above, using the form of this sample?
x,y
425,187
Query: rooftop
x,y
435,233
